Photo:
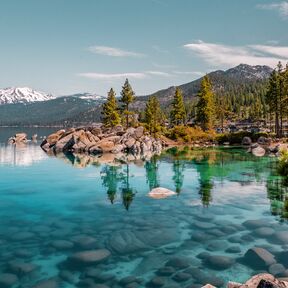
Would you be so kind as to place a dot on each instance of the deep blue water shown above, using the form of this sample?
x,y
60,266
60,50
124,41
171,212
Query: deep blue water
x,y
93,204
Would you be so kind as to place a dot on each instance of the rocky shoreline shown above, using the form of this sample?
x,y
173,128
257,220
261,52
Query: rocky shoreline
x,y
99,140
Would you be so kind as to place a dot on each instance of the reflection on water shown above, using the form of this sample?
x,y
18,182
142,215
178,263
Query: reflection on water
x,y
21,154
227,202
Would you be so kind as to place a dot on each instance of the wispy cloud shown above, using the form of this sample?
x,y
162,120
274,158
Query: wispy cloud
x,y
158,73
219,54
138,75
195,73
281,7
114,52
112,76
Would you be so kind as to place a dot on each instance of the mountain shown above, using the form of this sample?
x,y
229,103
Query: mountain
x,y
242,85
58,111
240,79
15,95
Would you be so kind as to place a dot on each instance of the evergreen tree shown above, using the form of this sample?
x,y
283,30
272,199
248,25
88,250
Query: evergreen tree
x,y
178,112
206,105
127,98
111,117
110,180
154,116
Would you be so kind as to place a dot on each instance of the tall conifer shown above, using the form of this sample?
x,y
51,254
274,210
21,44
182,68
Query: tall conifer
x,y
110,113
206,105
128,96
178,112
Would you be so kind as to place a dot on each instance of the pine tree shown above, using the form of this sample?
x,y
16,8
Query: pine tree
x,y
178,112
206,105
111,117
153,117
273,99
127,98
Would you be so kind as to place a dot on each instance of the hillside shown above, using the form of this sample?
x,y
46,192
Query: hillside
x,y
242,86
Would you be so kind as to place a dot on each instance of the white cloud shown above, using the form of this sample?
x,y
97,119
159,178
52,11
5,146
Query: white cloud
x,y
158,73
280,51
219,54
195,73
114,52
281,7
112,76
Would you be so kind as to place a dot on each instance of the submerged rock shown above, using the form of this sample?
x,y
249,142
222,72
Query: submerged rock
x,y
86,258
259,258
160,193
219,262
7,280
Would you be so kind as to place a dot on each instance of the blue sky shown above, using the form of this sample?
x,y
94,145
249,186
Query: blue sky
x,y
70,46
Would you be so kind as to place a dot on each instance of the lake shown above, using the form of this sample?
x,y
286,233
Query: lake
x,y
79,221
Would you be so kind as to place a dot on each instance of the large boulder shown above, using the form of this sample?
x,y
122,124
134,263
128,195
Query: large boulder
x,y
139,131
160,193
264,140
246,141
18,138
258,151
87,258
263,280
259,258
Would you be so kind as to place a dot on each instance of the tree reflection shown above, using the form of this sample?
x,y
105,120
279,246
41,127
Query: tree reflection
x,y
205,171
178,177
126,191
112,177
152,177
277,192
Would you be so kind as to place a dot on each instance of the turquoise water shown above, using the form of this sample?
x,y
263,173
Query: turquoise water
x,y
91,205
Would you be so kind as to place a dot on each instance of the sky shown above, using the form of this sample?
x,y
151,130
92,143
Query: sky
x,y
71,46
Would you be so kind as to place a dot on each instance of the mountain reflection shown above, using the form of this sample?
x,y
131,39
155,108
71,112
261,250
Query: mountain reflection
x,y
21,154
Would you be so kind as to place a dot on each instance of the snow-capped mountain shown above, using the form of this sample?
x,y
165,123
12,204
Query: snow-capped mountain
x,y
13,95
245,71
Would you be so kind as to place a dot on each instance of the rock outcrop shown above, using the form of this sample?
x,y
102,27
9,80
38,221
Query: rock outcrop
x,y
99,140
18,138
262,280
264,146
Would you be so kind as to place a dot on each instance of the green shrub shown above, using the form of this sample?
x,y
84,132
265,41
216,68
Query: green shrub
x,y
188,134
283,163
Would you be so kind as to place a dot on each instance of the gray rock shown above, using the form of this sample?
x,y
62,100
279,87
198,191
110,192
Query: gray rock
x,y
258,152
124,242
85,242
90,257
21,268
246,141
219,262
181,277
7,280
157,282
22,236
259,258
233,249
62,244
264,231
139,131
47,284
166,271
281,237
253,224
276,269
178,263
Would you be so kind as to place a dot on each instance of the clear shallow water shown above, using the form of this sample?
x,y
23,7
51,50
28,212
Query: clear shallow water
x,y
89,204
